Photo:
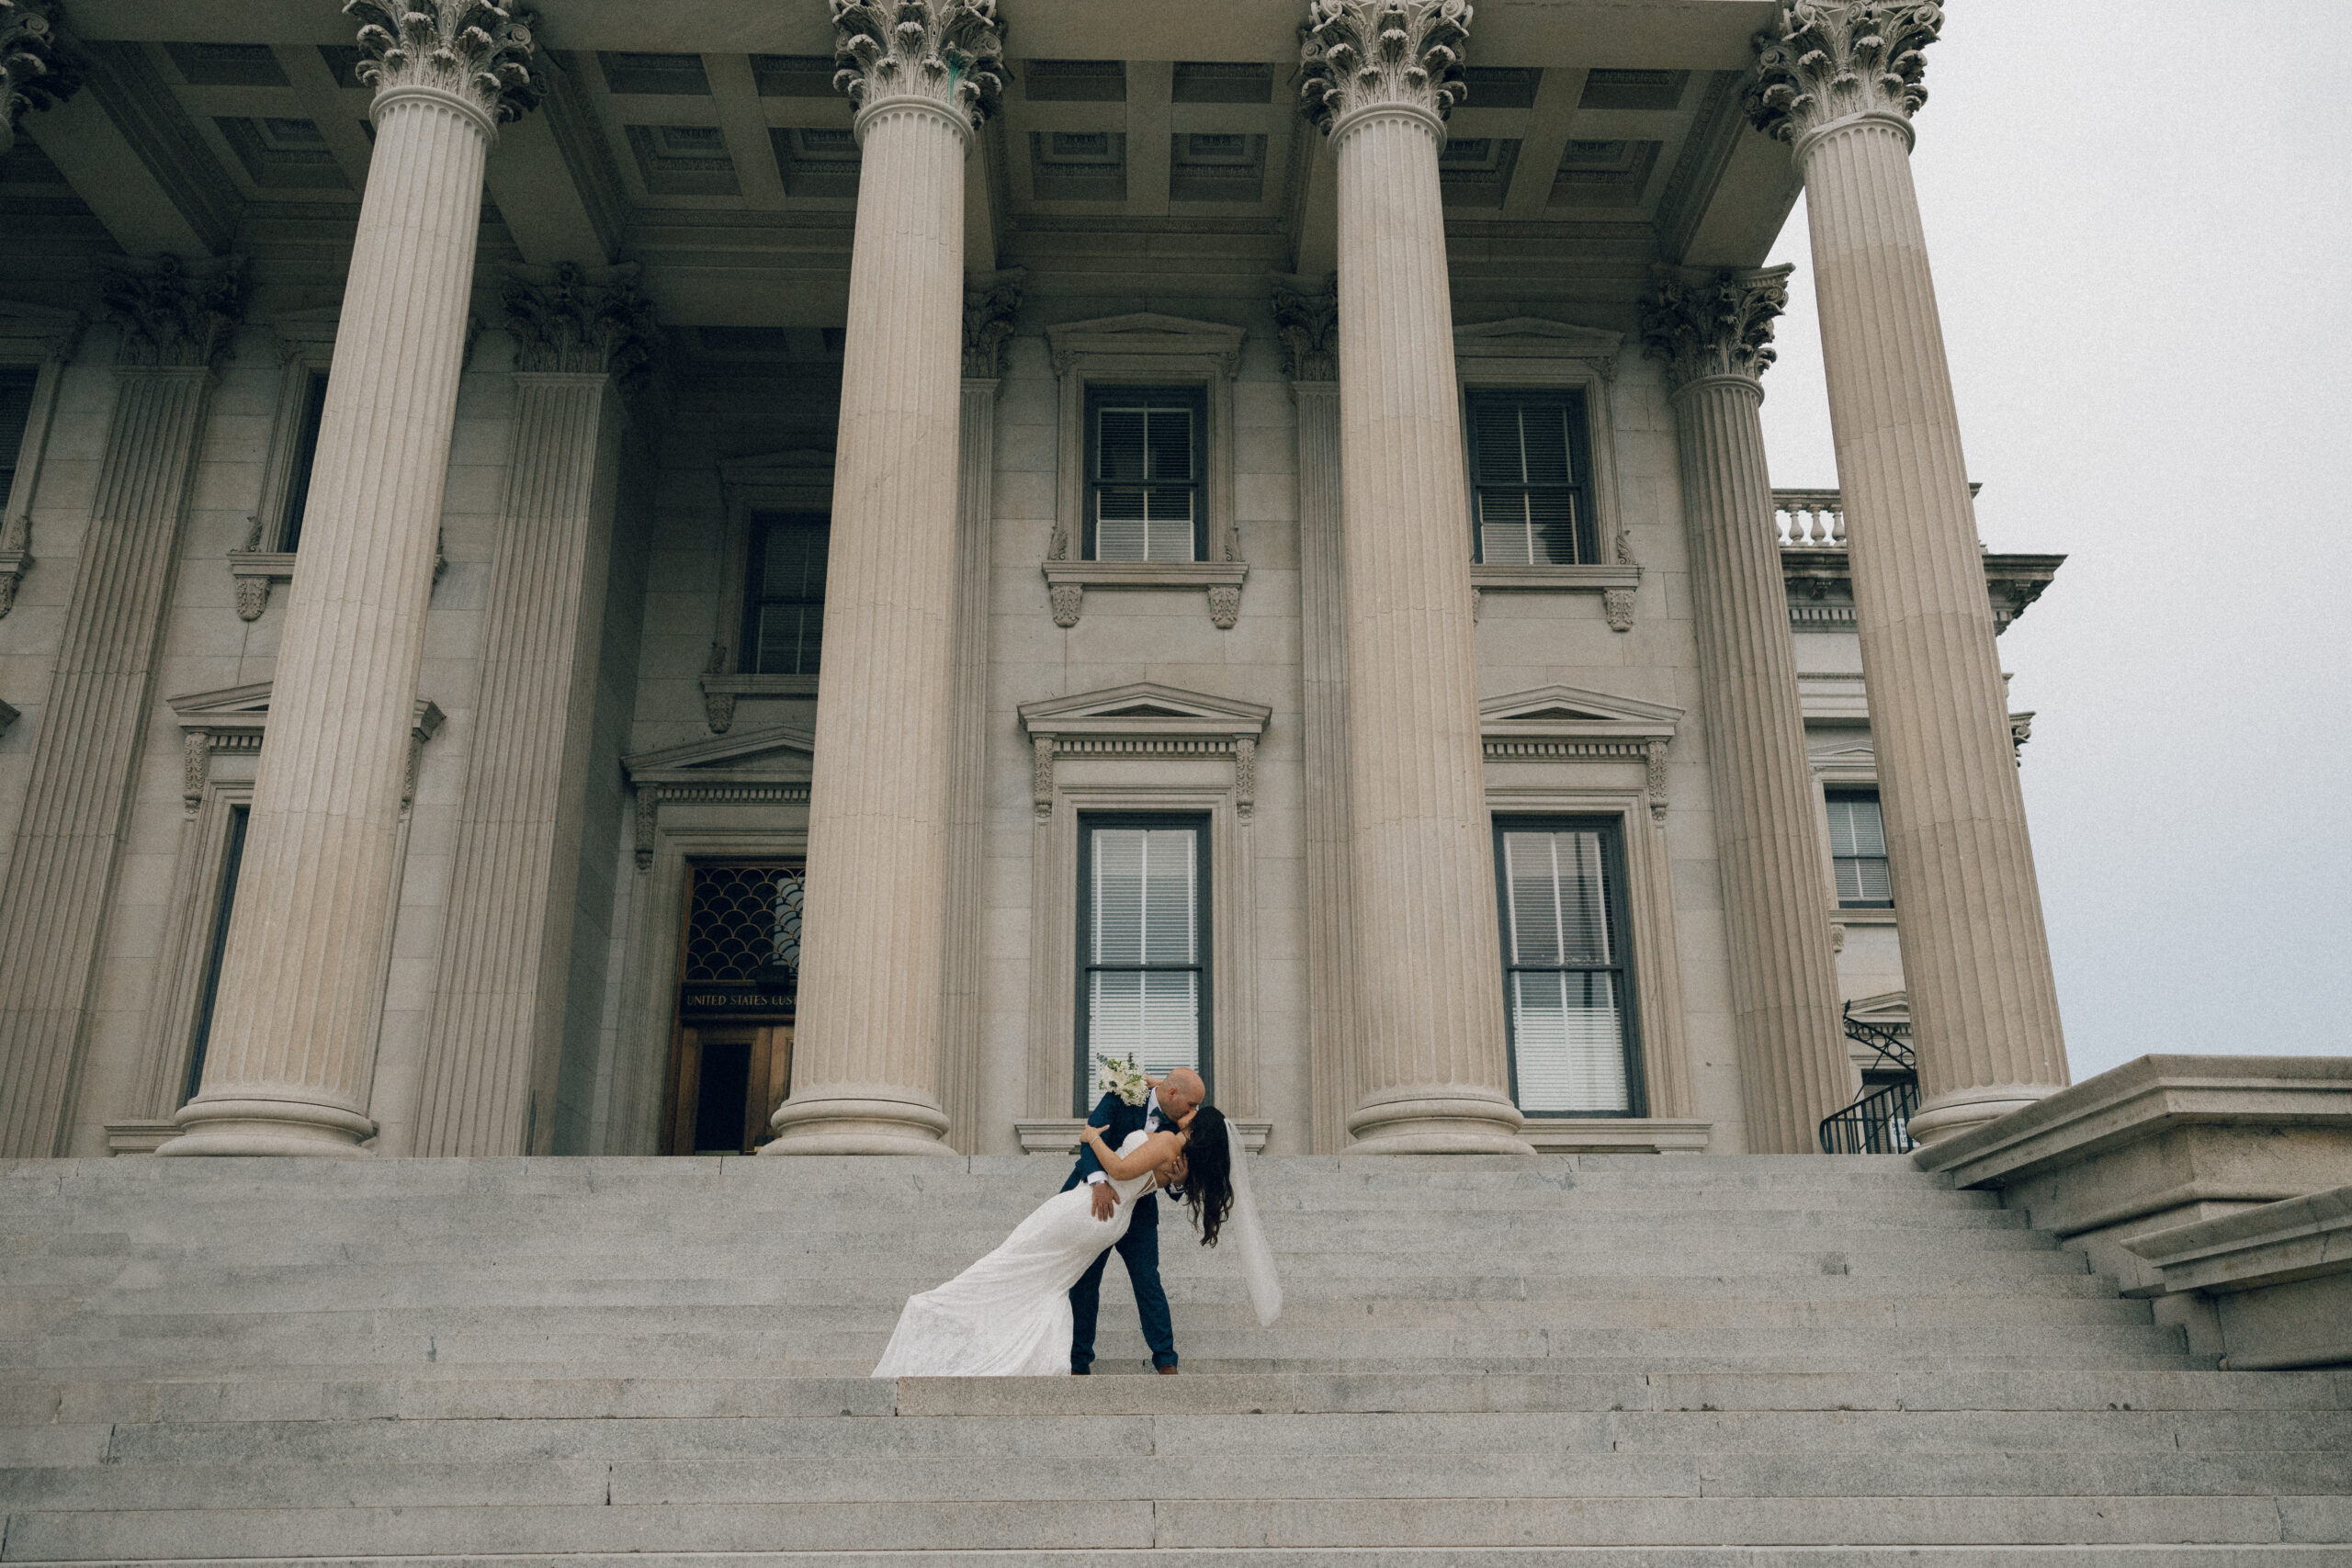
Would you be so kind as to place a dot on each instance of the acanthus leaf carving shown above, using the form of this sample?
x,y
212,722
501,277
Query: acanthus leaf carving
x,y
16,557
561,319
253,597
1358,54
1654,781
1617,603
1718,323
1069,601
951,52
173,313
1244,776
475,50
1224,606
991,301
37,71
1823,61
1041,776
1307,326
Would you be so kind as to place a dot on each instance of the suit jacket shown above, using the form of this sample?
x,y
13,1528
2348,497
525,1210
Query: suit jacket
x,y
1117,1119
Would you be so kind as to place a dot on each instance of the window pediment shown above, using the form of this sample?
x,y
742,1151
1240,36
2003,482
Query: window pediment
x,y
1537,337
1145,335
778,753
1572,713
235,718
1144,709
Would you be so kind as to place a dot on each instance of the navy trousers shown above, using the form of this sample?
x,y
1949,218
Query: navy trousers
x,y
1139,1250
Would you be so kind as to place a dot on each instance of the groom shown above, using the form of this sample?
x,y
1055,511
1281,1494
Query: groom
x,y
1171,1099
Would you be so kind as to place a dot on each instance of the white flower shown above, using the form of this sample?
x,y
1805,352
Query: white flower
x,y
1120,1076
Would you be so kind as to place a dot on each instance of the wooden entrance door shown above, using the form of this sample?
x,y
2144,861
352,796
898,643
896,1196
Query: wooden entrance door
x,y
726,1080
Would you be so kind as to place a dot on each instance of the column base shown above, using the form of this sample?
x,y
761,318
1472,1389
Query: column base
x,y
1973,1107
847,1126
271,1128
1445,1122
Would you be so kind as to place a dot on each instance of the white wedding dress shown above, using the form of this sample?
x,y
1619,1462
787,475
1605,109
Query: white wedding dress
x,y
1008,1316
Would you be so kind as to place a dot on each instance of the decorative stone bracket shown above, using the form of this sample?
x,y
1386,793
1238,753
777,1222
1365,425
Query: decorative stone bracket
x,y
1616,584
1068,581
256,570
15,558
721,688
1143,720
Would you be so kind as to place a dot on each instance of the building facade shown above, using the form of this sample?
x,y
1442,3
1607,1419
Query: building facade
x,y
787,577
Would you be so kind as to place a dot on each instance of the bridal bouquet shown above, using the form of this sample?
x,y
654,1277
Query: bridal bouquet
x,y
1120,1076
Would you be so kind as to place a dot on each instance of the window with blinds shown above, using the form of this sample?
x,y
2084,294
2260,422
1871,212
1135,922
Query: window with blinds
x,y
16,413
1143,939
306,459
224,903
1566,983
1857,851
1531,478
1144,459
783,598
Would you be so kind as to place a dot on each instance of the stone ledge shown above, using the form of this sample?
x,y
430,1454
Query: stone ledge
x,y
1617,1136
1068,581
2278,1279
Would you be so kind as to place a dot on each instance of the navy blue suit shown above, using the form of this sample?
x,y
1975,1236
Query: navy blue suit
x,y
1138,1249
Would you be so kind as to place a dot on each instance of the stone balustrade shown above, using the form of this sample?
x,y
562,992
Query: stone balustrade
x,y
1809,519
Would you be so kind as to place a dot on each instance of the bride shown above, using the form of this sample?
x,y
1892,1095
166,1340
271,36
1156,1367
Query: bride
x,y
1008,1316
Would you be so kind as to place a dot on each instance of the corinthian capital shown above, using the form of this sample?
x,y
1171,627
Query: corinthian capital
x,y
1714,325
1830,60
36,68
948,50
561,318
1307,323
991,301
173,313
476,50
1355,55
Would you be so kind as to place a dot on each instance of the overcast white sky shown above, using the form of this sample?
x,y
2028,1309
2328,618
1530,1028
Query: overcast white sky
x,y
2140,225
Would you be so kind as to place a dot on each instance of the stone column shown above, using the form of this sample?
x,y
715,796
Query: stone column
x,y
1307,324
293,1053
991,301
866,1054
1379,77
504,1001
176,328
1840,79
36,72
1715,334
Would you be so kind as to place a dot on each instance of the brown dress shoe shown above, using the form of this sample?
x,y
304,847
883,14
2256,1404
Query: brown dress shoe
x,y
1168,1371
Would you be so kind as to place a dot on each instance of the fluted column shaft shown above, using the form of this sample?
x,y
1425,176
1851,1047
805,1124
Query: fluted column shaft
x,y
499,1015
1429,964
866,1051
1323,659
966,937
1793,1064
85,749
1976,956
293,1051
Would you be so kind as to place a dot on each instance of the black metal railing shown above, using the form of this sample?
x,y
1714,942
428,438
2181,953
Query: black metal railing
x,y
1879,1122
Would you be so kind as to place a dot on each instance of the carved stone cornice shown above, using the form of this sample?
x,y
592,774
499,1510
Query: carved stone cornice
x,y
477,50
950,51
174,313
1821,61
1361,54
1718,325
1307,324
564,317
37,70
991,301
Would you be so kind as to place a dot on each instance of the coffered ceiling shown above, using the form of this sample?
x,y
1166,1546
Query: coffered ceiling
x,y
704,140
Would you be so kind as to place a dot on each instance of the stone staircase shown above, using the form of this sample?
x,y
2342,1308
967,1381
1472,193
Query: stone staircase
x,y
1643,1362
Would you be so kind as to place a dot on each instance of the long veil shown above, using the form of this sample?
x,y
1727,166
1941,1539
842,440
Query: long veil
x,y
1257,1274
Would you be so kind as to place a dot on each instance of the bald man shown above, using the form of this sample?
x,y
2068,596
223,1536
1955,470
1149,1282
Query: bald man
x,y
1170,1104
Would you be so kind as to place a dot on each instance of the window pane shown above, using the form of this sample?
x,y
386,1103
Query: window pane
x,y
16,413
1495,426
1171,445
1864,880
298,500
1552,526
791,639
1154,1014
1119,529
793,567
1559,904
1119,450
1505,537
1143,896
1855,826
1569,1035
1544,436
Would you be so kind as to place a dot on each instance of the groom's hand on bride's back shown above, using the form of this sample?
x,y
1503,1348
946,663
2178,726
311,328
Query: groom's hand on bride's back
x,y
1106,1201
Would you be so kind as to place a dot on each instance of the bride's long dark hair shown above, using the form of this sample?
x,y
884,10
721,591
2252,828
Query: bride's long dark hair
x,y
1208,1172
